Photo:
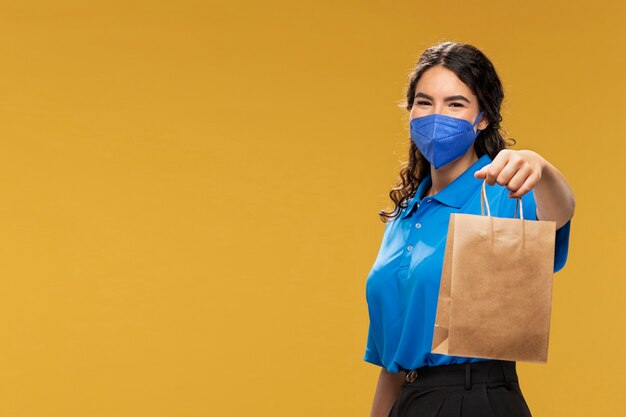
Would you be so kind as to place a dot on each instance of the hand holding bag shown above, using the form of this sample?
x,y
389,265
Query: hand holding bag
x,y
495,294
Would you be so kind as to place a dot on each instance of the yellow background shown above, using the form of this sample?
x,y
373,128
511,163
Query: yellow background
x,y
190,195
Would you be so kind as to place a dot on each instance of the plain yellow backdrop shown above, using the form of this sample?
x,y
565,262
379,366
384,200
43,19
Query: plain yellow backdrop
x,y
190,195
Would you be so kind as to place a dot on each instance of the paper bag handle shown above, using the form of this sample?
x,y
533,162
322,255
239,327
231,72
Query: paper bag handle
x,y
484,201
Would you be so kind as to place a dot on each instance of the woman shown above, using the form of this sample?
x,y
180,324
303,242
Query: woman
x,y
454,97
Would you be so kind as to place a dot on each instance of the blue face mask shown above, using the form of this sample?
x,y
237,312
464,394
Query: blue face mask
x,y
443,139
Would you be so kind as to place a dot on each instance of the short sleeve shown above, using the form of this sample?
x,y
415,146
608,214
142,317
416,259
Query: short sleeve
x,y
561,241
561,246
371,351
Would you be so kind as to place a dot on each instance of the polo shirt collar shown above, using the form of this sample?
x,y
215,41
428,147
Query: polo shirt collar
x,y
455,194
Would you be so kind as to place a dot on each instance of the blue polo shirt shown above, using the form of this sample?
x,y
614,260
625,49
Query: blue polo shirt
x,y
402,287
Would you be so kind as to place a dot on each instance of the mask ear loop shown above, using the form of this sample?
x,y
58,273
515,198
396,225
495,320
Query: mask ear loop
x,y
476,122
478,118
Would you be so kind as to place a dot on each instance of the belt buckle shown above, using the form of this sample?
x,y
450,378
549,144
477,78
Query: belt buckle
x,y
411,376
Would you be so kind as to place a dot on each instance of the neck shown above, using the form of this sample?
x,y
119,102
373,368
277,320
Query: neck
x,y
446,174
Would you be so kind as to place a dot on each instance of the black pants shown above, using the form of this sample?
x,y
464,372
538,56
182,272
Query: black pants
x,y
486,389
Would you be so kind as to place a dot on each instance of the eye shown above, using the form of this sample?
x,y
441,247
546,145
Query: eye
x,y
423,103
457,104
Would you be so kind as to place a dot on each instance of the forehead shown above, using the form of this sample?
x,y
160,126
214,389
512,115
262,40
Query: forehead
x,y
441,81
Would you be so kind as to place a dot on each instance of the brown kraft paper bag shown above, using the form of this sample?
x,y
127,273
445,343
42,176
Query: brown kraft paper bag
x,y
495,295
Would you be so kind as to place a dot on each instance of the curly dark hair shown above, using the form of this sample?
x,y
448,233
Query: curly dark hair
x,y
475,70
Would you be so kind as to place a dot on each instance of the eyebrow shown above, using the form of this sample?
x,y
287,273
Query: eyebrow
x,y
451,98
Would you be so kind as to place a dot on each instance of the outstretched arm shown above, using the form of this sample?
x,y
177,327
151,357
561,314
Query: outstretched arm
x,y
554,197
521,171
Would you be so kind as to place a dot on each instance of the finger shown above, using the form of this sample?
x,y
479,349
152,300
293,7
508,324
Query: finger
x,y
509,172
494,168
530,182
481,173
518,179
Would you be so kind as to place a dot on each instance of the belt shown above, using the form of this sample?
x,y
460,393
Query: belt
x,y
422,380
492,370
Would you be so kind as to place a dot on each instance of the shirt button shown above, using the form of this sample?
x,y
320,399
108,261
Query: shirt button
x,y
418,225
409,248
429,200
